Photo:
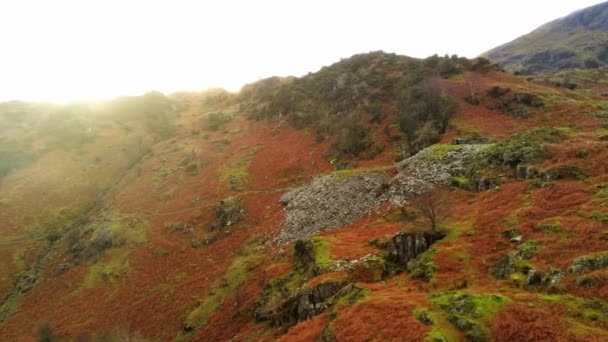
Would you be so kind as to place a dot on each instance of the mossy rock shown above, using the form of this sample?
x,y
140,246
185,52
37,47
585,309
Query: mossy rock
x,y
587,263
228,212
424,316
524,147
469,312
549,227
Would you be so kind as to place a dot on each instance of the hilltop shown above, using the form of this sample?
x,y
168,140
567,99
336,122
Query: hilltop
x,y
298,210
579,40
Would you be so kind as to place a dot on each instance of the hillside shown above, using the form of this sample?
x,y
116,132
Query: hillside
x,y
297,210
579,40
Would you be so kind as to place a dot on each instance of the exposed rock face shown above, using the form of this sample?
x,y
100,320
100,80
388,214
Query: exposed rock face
x,y
304,304
228,212
337,199
404,247
505,266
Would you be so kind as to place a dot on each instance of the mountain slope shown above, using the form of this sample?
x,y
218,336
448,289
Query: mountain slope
x,y
195,242
579,40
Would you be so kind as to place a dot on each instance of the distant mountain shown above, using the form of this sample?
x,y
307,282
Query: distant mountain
x,y
579,40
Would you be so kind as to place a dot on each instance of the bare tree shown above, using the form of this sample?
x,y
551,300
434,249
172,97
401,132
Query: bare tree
x,y
434,205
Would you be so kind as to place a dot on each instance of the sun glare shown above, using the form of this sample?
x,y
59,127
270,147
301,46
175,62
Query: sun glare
x,y
97,49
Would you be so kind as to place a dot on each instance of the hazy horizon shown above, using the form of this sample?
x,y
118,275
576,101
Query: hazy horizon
x,y
69,50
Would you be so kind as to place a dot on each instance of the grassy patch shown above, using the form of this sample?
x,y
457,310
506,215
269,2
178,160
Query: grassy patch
x,y
549,227
438,151
115,265
227,286
601,193
577,308
236,172
322,253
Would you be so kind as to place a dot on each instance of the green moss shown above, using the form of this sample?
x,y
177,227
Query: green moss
x,y
436,335
423,267
438,151
348,173
322,253
461,182
469,312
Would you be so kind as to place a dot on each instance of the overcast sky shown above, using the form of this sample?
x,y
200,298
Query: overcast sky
x,y
62,50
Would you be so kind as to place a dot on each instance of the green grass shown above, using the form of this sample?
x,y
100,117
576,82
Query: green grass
x,y
461,181
114,265
577,308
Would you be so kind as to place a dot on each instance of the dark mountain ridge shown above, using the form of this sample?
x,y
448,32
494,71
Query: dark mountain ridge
x,y
579,40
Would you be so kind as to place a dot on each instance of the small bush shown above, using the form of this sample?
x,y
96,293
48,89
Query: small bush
x,y
216,120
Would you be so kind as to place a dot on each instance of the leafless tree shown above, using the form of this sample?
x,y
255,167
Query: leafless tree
x,y
434,206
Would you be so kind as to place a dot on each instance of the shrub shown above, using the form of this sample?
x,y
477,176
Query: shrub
x,y
216,120
424,112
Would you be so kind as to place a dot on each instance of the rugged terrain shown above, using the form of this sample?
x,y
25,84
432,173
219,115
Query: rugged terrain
x,y
579,40
297,209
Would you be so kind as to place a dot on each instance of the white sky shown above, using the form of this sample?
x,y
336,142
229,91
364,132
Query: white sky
x,y
62,50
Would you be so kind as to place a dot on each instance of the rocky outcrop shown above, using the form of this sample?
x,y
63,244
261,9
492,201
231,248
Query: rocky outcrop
x,y
428,169
588,263
473,140
404,247
557,172
334,200
228,212
331,201
303,305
